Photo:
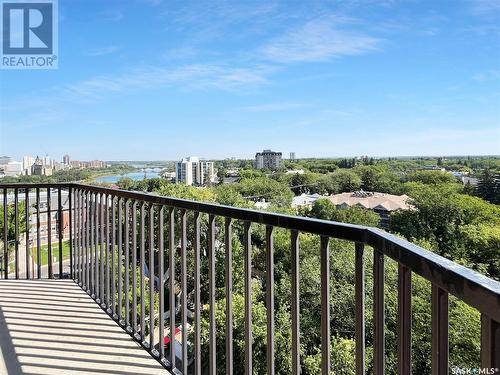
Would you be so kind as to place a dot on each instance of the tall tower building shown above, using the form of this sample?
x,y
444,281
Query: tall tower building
x,y
193,171
268,159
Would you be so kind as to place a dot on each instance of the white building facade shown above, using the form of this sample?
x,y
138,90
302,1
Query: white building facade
x,y
193,171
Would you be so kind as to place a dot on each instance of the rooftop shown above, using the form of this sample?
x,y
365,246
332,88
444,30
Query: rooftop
x,y
371,200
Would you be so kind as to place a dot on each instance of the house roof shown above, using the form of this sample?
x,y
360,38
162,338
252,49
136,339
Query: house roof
x,y
371,200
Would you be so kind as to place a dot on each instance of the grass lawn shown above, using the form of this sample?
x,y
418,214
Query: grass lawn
x,y
55,252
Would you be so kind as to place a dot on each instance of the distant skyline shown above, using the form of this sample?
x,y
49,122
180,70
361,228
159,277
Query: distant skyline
x,y
160,80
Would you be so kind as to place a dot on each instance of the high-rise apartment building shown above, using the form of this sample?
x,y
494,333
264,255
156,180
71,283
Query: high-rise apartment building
x,y
193,171
66,159
268,159
292,156
39,168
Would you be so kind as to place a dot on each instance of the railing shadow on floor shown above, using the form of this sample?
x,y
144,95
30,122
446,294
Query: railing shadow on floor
x,y
38,338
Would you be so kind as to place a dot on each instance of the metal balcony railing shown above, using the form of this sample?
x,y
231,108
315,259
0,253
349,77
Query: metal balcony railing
x,y
122,243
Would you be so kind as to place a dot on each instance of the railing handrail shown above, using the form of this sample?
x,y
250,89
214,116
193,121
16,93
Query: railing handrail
x,y
468,285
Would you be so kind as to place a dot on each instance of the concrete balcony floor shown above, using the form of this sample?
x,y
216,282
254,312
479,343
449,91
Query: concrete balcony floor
x,y
54,327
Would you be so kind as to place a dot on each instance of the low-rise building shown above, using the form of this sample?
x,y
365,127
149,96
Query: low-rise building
x,y
381,203
305,200
295,171
13,169
467,180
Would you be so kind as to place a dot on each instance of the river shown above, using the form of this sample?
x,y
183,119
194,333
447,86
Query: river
x,y
136,176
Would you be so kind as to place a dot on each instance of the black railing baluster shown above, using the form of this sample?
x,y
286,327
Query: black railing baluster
x,y
102,252
270,298
378,313
88,246
76,275
211,284
76,235
134,269
360,308
142,263
49,235
81,235
248,297
96,247
16,231
151,277
161,287
197,293
404,320
490,342
108,251
5,234
79,229
440,345
325,305
127,266
295,302
93,251
77,214
71,234
184,291
171,292
112,255
28,225
60,230
87,242
119,260
38,237
97,286
228,241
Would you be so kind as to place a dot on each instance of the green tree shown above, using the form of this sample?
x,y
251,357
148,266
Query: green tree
x,y
324,209
304,183
346,180
432,177
488,187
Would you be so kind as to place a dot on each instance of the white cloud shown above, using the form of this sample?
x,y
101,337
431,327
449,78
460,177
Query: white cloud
x,y
490,75
195,76
112,15
276,107
319,40
153,2
102,51
488,8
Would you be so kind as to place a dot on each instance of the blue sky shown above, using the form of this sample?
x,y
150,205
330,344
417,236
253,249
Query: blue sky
x,y
159,80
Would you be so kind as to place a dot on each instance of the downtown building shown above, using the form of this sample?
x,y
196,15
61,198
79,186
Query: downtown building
x,y
268,159
193,171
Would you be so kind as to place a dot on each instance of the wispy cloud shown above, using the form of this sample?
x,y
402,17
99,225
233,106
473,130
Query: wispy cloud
x,y
112,15
153,2
487,8
198,76
320,40
102,51
276,107
489,75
